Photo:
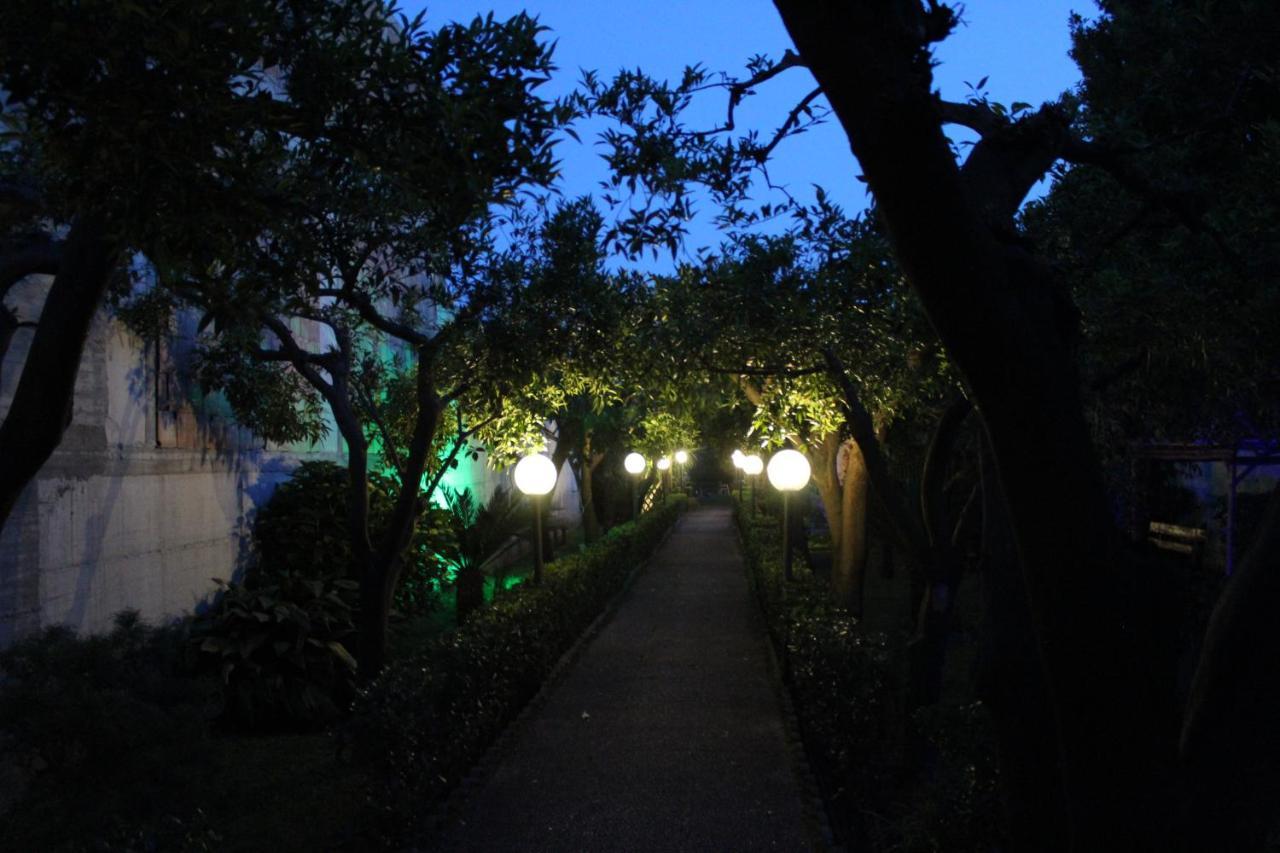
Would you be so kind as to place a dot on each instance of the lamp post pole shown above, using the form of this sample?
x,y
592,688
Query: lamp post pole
x,y
788,472
786,535
535,476
537,534
752,466
634,464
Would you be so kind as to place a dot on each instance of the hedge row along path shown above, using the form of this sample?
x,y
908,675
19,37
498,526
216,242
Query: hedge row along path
x,y
665,734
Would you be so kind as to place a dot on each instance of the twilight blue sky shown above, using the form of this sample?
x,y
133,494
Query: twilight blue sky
x,y
1020,46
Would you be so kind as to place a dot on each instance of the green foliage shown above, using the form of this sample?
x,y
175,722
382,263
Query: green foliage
x,y
280,651
302,532
99,734
426,720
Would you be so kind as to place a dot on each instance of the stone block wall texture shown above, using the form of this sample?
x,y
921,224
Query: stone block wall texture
x,y
150,496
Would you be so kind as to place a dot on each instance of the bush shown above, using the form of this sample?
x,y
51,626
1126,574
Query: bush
x,y
99,733
302,531
280,650
426,720
847,695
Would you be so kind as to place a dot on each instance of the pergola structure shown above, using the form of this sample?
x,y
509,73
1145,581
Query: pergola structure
x,y
1241,460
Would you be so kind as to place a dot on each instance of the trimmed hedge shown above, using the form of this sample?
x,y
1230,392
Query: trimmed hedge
x,y
847,689
426,720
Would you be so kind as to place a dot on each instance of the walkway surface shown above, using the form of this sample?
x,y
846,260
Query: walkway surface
x,y
666,733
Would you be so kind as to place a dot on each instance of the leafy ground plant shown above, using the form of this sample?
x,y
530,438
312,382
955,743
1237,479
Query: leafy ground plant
x,y
280,650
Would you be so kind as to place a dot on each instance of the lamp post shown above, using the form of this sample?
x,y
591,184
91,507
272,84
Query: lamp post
x,y
752,466
737,457
634,463
664,475
788,472
535,476
682,459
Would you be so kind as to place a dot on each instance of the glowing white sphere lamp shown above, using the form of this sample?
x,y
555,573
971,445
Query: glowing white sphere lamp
x,y
535,476
664,463
788,472
737,457
682,457
634,463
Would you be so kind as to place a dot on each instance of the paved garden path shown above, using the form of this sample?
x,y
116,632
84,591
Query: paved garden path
x,y
665,734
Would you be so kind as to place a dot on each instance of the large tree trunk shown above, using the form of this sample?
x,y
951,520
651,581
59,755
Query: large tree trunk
x,y
1012,685
42,403
849,570
1230,741
1004,326
944,570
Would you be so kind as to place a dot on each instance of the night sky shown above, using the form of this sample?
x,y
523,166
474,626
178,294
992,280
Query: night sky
x,y
1021,48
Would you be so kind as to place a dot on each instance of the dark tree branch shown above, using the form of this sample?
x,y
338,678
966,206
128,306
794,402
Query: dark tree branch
x,y
774,370
41,408
303,361
1187,207
40,254
739,89
792,121
906,524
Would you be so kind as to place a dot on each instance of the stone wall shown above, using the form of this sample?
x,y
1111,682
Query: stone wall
x,y
150,495
153,490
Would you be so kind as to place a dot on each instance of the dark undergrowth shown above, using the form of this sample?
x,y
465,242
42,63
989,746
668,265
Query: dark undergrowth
x,y
121,741
891,780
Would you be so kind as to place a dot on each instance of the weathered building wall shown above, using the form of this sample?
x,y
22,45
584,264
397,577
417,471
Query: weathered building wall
x,y
150,495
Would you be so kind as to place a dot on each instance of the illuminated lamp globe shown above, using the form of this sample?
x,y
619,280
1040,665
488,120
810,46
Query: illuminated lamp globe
x,y
634,463
535,474
738,456
752,465
682,456
788,470
664,463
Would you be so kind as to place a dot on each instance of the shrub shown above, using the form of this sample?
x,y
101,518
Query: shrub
x,y
302,531
844,686
426,720
102,732
280,651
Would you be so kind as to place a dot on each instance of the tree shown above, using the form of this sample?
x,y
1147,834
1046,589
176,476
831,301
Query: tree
x,y
393,258
1010,331
120,125
1076,769
583,320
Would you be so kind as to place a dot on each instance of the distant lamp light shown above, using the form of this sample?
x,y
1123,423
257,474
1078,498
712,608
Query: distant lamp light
x,y
535,475
682,456
788,470
752,465
663,463
738,456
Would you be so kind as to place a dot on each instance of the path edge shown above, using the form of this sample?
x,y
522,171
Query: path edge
x,y
451,807
817,821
